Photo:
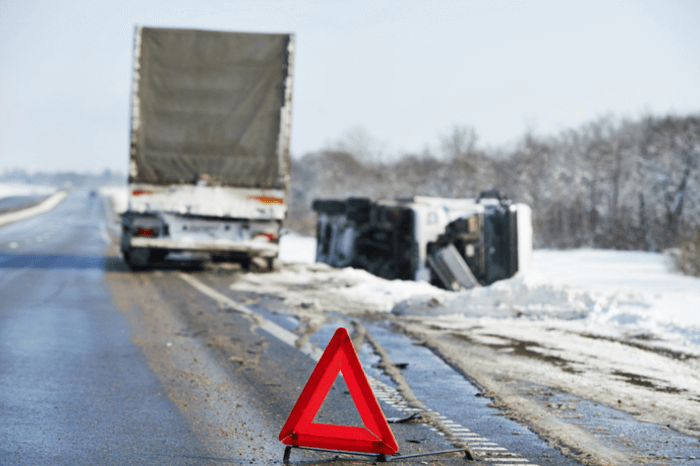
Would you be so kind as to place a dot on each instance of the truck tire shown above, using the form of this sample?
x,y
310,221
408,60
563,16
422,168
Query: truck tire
x,y
158,255
257,264
138,258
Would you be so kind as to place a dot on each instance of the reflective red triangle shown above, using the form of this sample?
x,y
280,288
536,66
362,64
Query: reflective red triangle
x,y
300,430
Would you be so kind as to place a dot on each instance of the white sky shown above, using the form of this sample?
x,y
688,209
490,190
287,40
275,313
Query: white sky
x,y
406,72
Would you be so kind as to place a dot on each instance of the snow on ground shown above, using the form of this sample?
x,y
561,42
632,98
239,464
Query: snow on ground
x,y
21,189
305,283
118,196
297,249
610,292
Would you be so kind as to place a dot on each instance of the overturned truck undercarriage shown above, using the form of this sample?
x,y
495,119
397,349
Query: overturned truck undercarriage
x,y
453,243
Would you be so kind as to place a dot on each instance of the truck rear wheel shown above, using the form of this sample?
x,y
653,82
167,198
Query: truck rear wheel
x,y
158,255
257,264
138,258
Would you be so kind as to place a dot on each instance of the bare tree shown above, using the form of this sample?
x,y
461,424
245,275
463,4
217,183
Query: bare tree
x,y
364,147
671,151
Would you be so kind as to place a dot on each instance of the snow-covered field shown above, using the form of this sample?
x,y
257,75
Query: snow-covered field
x,y
20,189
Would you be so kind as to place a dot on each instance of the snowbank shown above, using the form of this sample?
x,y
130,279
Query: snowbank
x,y
326,288
608,292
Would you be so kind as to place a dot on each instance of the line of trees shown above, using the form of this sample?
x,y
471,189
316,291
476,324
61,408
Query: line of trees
x,y
607,184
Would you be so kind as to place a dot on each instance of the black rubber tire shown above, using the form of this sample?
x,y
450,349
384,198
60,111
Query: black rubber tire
x,y
158,255
138,259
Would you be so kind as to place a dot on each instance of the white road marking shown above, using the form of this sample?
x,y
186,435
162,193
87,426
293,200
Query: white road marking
x,y
509,460
388,394
105,235
272,328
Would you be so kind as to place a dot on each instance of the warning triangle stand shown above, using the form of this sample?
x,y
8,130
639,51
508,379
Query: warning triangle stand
x,y
374,439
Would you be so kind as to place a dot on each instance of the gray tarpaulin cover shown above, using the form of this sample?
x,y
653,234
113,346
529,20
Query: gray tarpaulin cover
x,y
207,107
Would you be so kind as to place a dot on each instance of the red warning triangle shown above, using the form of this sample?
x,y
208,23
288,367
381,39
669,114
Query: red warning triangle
x,y
301,431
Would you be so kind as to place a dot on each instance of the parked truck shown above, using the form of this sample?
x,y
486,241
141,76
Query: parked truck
x,y
209,156
453,243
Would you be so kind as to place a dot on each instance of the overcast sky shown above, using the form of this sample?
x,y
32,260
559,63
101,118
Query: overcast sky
x,y
405,72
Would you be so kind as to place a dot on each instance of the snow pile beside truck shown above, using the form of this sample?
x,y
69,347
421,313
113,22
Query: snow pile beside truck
x,y
209,161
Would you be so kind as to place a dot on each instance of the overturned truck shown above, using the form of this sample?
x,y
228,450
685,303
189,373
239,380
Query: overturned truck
x,y
453,243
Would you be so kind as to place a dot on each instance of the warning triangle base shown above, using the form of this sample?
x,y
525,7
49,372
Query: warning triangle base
x,y
380,458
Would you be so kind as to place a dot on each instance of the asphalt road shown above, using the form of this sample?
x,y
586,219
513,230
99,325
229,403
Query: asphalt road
x,y
102,365
74,389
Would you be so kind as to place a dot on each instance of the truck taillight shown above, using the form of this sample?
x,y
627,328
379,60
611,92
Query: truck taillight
x,y
145,232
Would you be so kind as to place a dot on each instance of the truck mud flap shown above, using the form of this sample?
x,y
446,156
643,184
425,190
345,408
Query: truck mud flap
x,y
451,269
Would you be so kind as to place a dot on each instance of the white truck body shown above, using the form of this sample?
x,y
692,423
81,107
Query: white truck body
x,y
209,158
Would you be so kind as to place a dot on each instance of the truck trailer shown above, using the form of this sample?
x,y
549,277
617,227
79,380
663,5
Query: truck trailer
x,y
453,243
209,154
